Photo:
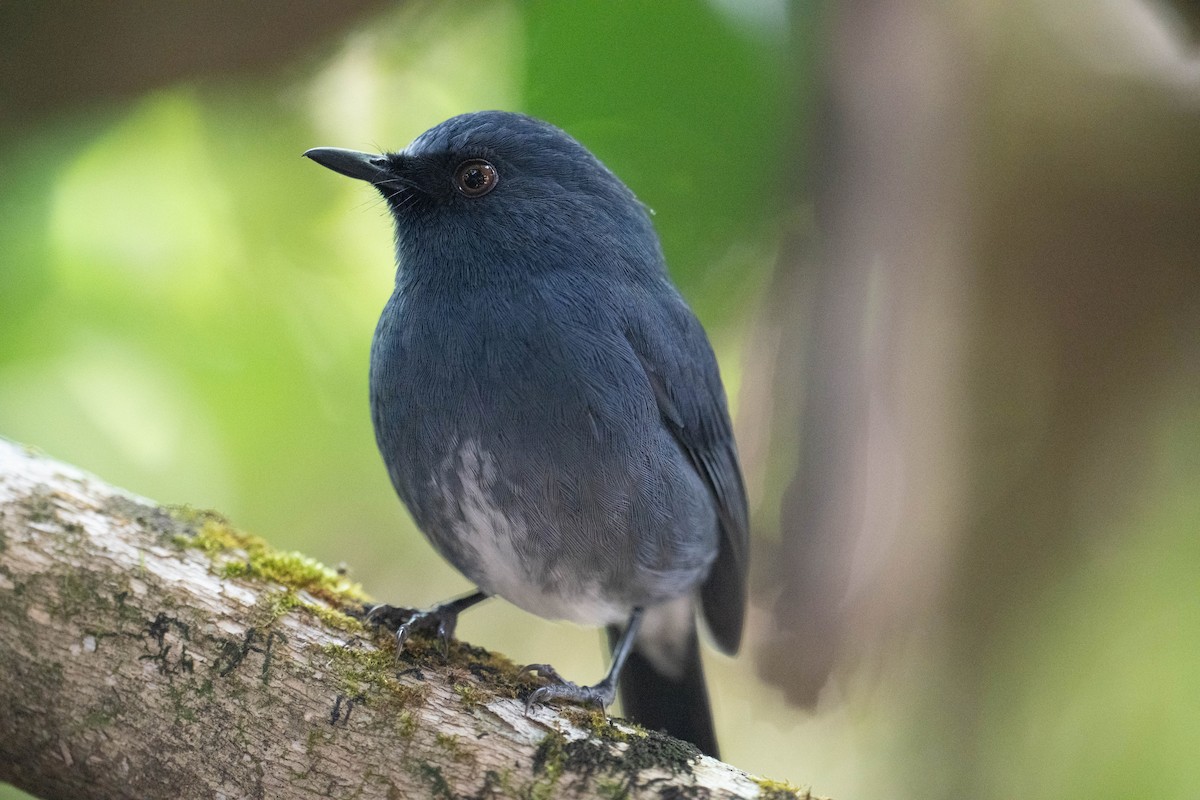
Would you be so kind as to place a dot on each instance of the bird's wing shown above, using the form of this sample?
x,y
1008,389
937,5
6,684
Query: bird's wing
x,y
682,371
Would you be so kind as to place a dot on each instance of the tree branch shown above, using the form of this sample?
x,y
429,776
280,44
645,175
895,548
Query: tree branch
x,y
160,653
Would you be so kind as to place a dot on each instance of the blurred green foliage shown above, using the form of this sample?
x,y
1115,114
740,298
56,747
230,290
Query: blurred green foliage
x,y
186,305
687,106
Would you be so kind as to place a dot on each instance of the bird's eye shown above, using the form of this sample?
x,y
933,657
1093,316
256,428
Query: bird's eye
x,y
476,177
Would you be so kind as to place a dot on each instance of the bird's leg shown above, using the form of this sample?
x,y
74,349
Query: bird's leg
x,y
604,692
442,619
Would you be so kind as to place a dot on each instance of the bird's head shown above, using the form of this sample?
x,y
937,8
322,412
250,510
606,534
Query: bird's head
x,y
493,195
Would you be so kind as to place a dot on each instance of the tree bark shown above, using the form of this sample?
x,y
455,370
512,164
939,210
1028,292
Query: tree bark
x,y
148,652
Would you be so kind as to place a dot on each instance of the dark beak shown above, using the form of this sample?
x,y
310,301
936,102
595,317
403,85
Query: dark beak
x,y
368,167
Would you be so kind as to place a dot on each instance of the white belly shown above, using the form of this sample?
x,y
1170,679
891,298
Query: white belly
x,y
489,535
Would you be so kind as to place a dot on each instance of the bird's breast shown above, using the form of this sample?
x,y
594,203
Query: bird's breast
x,y
505,547
527,443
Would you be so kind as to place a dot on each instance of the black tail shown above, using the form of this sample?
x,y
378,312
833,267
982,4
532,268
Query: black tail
x,y
677,704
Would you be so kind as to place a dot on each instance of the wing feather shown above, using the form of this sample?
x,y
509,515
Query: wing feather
x,y
683,374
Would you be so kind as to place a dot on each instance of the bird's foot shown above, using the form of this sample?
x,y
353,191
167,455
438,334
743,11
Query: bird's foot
x,y
440,620
602,694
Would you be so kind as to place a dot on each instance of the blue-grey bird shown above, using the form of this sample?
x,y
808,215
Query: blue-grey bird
x,y
550,410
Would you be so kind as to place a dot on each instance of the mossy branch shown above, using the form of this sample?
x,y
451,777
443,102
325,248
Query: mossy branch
x,y
156,652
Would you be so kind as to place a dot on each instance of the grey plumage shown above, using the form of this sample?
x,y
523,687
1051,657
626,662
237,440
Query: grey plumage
x,y
548,407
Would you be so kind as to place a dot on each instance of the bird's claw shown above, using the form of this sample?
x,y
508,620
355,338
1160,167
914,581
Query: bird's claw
x,y
602,694
545,671
440,620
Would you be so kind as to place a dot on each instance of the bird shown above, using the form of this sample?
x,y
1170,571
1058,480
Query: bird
x,y
551,412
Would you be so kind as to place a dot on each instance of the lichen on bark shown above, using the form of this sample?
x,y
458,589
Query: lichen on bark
x,y
160,652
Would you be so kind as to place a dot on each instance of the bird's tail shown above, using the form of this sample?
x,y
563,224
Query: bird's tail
x,y
662,685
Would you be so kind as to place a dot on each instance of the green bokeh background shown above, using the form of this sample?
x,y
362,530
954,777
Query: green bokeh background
x,y
187,305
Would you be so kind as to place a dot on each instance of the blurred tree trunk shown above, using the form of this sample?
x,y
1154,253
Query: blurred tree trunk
x,y
1002,308
56,54
880,286
132,664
